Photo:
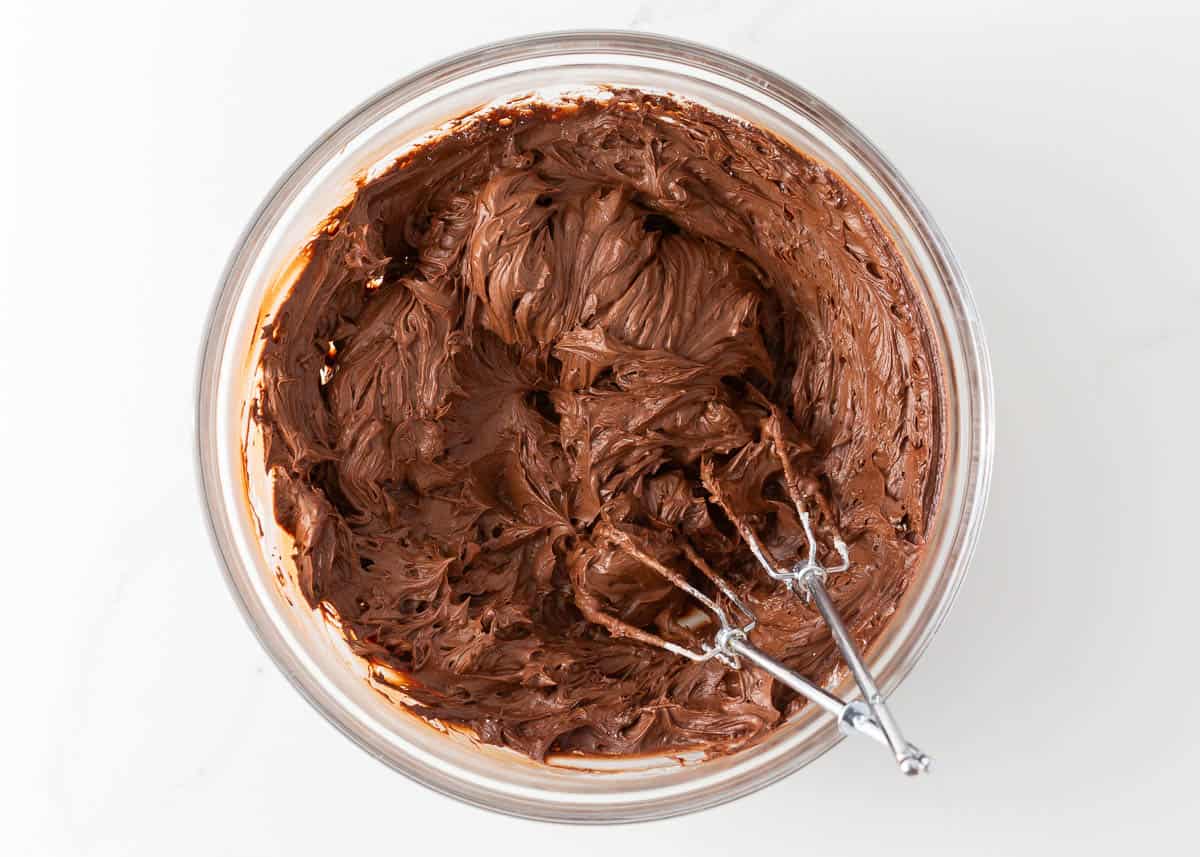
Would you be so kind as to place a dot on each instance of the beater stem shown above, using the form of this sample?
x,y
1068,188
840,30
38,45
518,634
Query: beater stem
x,y
851,717
911,760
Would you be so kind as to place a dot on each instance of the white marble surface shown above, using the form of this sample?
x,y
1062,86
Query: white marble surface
x,y
1055,143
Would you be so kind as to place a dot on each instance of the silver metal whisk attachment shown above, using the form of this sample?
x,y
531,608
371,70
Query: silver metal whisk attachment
x,y
807,578
731,642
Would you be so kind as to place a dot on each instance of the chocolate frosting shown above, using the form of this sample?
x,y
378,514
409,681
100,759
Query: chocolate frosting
x,y
528,335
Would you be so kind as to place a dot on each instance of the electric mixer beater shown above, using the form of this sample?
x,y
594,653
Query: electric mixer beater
x,y
806,578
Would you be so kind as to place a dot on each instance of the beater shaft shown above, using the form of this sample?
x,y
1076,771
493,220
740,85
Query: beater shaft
x,y
911,760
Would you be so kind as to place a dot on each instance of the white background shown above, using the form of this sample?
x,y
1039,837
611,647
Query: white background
x,y
1057,145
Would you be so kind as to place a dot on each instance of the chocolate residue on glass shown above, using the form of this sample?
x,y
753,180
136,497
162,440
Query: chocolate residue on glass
x,y
530,332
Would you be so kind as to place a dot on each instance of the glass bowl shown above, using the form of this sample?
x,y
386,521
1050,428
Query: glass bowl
x,y
255,553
